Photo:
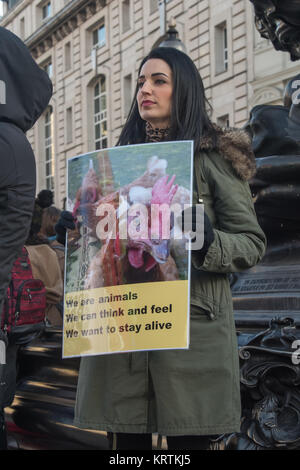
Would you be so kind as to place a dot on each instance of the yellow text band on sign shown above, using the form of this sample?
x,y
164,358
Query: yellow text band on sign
x,y
131,317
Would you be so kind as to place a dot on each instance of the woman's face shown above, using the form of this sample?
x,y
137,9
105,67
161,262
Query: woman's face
x,y
154,95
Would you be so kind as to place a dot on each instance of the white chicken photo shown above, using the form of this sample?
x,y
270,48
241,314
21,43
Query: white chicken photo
x,y
123,179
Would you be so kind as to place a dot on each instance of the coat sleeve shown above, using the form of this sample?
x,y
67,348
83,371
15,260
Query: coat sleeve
x,y
239,241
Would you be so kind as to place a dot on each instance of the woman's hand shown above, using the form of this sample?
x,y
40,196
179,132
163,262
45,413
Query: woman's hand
x,y
190,221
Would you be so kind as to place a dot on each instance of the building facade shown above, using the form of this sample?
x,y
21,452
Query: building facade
x,y
92,49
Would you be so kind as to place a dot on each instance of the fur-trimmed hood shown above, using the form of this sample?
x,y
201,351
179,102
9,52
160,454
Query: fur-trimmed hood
x,y
235,146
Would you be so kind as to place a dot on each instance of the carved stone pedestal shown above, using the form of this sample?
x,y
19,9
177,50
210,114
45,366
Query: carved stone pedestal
x,y
270,390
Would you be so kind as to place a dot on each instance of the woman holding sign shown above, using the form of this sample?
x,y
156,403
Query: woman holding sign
x,y
186,395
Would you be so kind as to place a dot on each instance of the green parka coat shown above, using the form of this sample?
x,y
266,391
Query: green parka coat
x,y
193,391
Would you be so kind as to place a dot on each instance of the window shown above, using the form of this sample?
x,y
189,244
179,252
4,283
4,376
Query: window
x,y
99,36
43,12
2,92
68,56
10,4
223,121
127,87
100,114
22,28
48,68
125,15
153,6
69,125
46,10
221,45
48,147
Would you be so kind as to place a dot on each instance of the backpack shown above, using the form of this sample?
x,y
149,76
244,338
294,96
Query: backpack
x,y
23,315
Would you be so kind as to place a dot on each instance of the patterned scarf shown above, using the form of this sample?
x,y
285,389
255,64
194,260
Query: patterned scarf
x,y
156,134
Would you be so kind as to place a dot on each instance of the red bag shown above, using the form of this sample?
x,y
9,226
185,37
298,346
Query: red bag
x,y
23,316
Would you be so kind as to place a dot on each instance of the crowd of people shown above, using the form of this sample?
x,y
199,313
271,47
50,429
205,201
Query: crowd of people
x,y
186,395
46,255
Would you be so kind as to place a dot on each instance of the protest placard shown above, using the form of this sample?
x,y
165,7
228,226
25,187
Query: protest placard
x,y
127,262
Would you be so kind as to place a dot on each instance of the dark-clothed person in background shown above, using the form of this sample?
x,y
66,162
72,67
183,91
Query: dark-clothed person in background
x,y
51,217
25,93
44,262
64,223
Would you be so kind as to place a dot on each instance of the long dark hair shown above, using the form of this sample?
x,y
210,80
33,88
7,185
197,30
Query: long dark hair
x,y
189,116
